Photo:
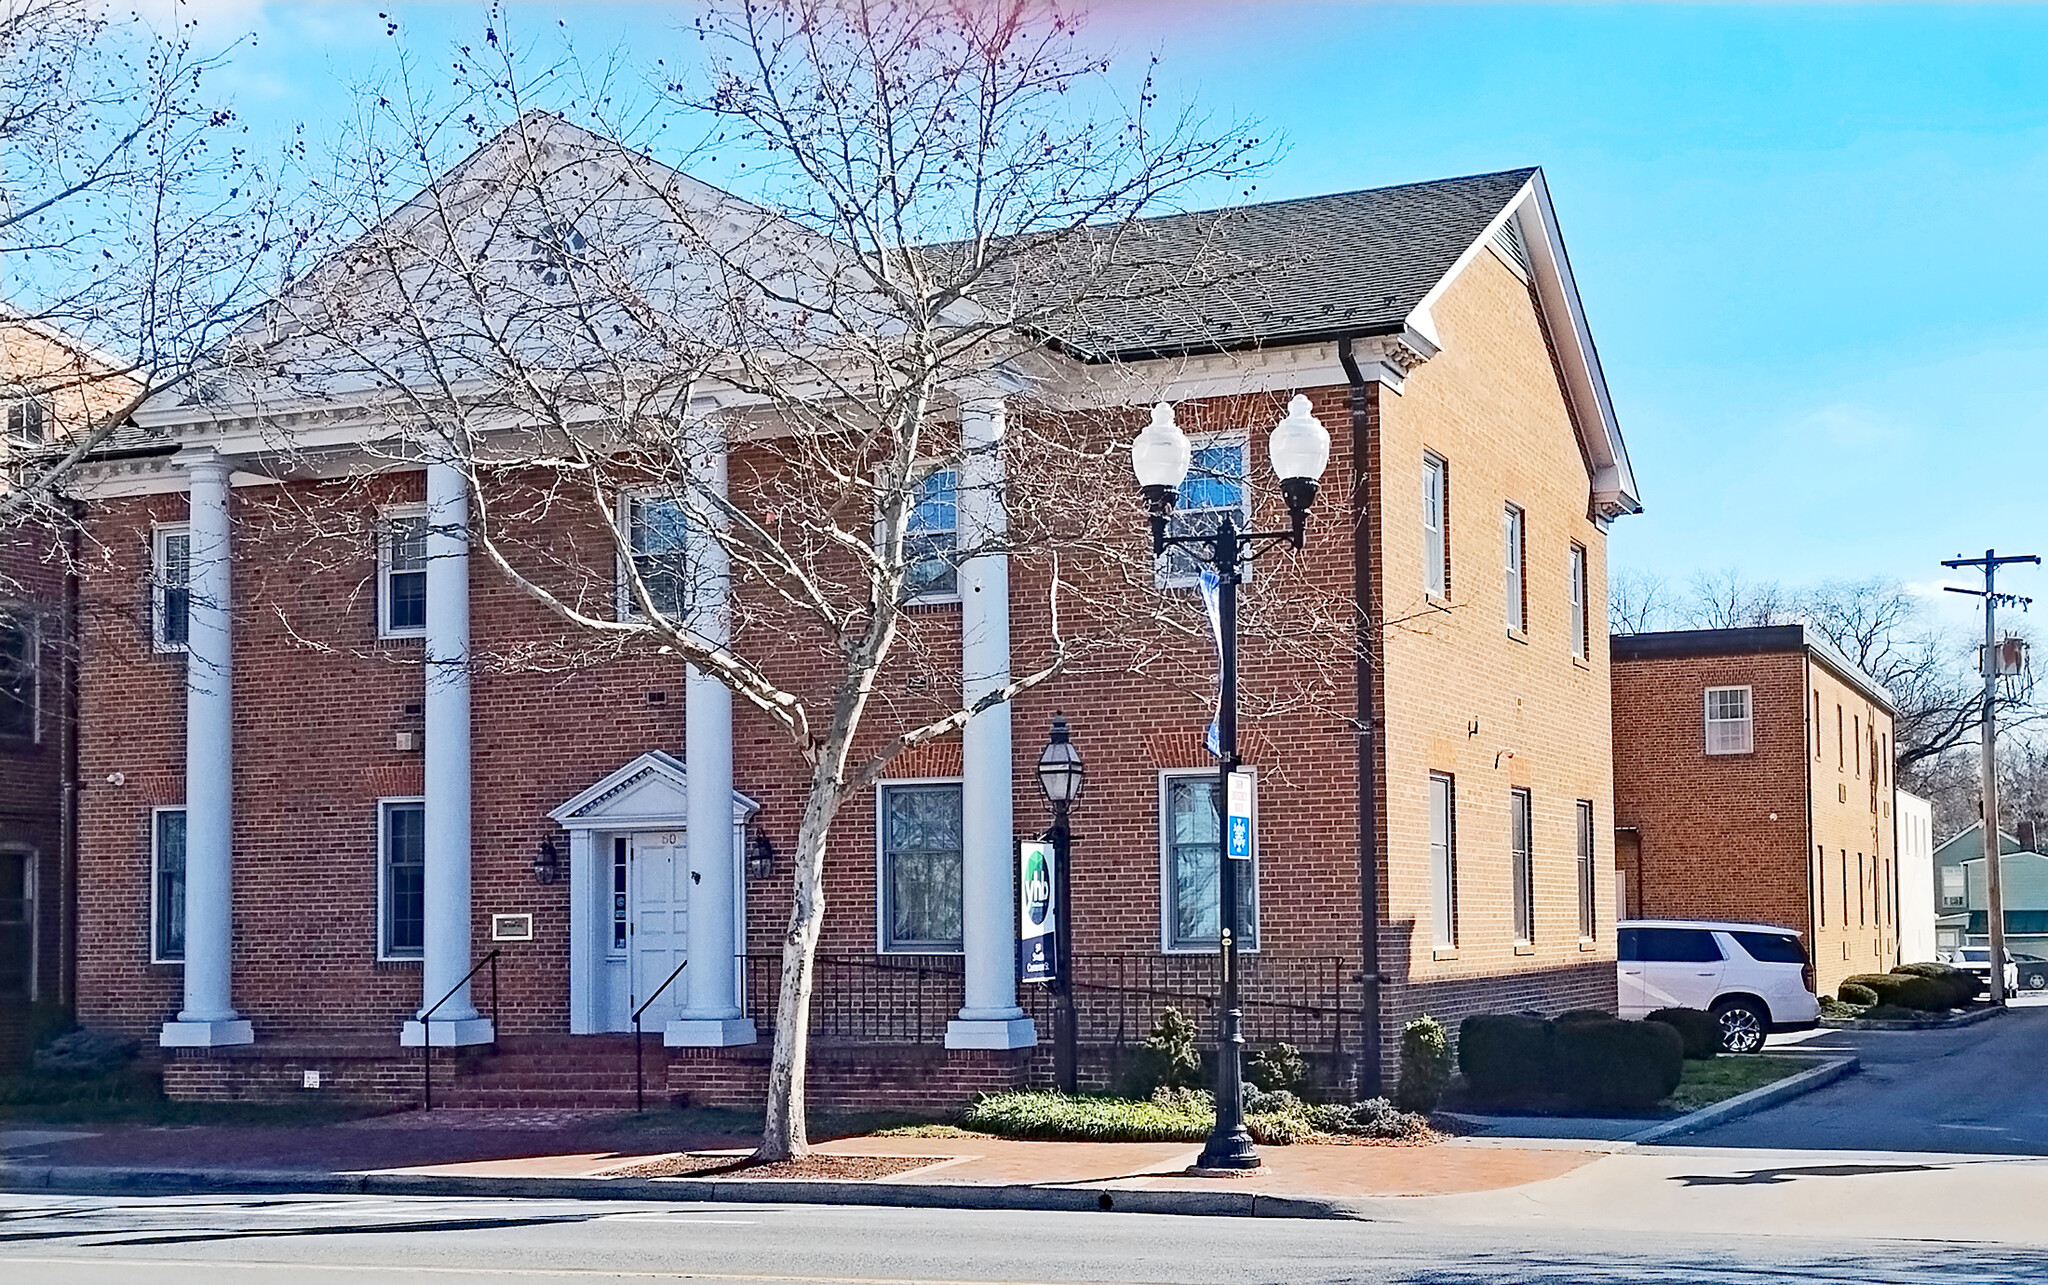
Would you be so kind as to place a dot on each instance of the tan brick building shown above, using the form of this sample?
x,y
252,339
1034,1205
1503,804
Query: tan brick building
x,y
1753,781
1435,835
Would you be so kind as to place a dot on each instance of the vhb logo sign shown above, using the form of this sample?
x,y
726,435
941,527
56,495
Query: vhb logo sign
x,y
1037,916
1037,887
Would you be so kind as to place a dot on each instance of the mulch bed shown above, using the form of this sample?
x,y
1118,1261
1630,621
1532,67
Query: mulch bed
x,y
727,1165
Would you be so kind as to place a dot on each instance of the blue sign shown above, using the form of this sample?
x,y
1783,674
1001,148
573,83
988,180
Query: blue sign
x,y
1241,806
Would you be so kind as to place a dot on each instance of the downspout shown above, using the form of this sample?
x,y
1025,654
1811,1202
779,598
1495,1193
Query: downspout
x,y
67,805
1808,851
1363,415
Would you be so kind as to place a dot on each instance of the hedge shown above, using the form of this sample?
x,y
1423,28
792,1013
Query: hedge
x,y
1962,983
1618,1066
1851,993
1699,1030
1506,1056
1906,990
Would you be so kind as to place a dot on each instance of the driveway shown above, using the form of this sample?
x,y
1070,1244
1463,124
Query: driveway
x,y
1982,1088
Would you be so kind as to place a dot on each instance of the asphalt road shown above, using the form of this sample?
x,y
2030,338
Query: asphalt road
x,y
1982,1088
379,1241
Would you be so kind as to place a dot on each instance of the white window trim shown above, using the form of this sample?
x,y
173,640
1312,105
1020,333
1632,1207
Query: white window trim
x,y
1515,566
1447,940
1436,570
921,470
1578,570
1707,721
385,519
1518,796
383,880
158,536
1165,798
22,398
156,881
616,949
882,946
1199,442
623,604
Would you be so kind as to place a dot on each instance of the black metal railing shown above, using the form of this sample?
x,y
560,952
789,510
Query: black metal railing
x,y
639,1078
1308,1001
427,1026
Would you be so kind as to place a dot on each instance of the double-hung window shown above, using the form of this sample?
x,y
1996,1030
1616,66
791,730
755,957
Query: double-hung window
x,y
20,687
167,885
1585,837
170,587
931,538
657,530
1730,726
1582,622
1517,603
1436,526
27,417
1215,489
1521,824
920,827
401,879
1443,861
402,573
1190,847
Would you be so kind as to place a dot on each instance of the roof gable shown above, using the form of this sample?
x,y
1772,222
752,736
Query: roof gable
x,y
652,790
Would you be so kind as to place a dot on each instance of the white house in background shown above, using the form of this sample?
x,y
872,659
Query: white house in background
x,y
1914,819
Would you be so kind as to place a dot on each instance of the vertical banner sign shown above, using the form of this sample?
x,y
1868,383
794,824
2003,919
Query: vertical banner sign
x,y
1037,917
1240,813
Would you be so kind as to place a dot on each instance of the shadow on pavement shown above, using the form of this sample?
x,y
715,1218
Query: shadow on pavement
x,y
1767,1177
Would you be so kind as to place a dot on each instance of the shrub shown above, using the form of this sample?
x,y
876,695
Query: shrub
x,y
1280,1069
1905,990
1852,993
1585,1015
85,1054
1505,1056
1617,1066
1962,984
1169,1057
1372,1118
1172,1116
1698,1029
1425,1065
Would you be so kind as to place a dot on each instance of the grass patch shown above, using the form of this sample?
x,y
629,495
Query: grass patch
x,y
1729,1075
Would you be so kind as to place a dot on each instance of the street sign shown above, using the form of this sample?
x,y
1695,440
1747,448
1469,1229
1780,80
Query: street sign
x,y
1037,916
1241,814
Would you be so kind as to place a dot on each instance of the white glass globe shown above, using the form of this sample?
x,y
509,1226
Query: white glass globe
x,y
1160,455
1301,445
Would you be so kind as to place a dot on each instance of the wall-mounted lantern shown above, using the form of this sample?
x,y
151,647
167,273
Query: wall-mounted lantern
x,y
547,863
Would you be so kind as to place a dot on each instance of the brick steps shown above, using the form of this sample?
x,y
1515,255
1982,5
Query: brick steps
x,y
537,1072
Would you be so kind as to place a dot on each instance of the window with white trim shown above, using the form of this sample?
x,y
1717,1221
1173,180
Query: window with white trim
x,y
1517,600
620,849
931,538
167,886
20,681
170,587
1585,837
401,879
1521,853
27,419
921,831
1436,525
1443,861
657,532
402,572
1731,728
1582,622
1190,848
1215,487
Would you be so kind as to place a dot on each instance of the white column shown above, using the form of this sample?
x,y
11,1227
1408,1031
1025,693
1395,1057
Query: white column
x,y
208,1017
586,949
447,955
710,1017
990,1017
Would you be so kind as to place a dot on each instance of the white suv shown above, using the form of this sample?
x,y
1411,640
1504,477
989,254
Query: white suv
x,y
1751,977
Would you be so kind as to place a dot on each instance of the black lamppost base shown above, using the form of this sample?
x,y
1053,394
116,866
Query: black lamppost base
x,y
1228,1154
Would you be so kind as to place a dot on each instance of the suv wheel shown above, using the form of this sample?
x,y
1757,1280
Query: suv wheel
x,y
2037,980
1743,1024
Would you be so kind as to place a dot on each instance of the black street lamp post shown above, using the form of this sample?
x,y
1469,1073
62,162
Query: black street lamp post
x,y
1059,776
1300,450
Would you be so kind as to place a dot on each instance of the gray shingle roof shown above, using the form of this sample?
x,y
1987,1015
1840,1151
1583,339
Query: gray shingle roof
x,y
1287,271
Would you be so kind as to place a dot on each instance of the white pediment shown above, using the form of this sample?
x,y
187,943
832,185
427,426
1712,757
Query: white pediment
x,y
651,791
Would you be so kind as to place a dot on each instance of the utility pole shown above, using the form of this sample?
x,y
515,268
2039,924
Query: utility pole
x,y
1994,883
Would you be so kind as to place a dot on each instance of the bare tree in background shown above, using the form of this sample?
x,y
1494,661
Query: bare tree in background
x,y
1727,600
945,193
132,232
1640,602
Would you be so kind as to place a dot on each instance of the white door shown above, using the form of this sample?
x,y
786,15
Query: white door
x,y
659,875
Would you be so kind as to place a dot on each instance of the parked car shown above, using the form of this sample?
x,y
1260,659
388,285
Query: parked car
x,y
1751,977
1977,959
2033,971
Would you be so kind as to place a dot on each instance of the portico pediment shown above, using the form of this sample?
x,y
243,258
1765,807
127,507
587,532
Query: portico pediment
x,y
652,790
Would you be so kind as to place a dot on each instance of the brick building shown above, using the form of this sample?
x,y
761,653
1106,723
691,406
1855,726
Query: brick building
x,y
292,842
1753,781
51,386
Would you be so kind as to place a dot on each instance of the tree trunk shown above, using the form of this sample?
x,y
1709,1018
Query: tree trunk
x,y
784,1136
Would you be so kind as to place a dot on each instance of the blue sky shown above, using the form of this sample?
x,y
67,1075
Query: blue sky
x,y
1810,240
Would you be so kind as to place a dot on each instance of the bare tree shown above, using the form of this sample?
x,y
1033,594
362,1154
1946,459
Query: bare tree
x,y
1727,600
1640,602
946,194
132,226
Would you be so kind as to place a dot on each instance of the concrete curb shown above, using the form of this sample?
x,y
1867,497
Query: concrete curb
x,y
80,1180
1942,1024
1755,1100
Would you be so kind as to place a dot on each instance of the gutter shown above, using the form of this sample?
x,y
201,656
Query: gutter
x,y
1363,402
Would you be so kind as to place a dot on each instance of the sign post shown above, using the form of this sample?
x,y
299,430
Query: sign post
x,y
1038,913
